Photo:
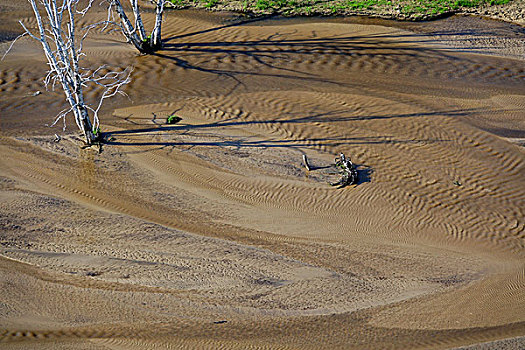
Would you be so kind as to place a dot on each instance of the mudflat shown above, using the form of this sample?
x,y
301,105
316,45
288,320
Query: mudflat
x,y
210,233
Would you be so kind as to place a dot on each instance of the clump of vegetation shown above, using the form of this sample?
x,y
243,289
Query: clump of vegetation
x,y
173,119
400,9
96,131
210,3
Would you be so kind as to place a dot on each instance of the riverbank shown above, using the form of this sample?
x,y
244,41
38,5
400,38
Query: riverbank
x,y
408,10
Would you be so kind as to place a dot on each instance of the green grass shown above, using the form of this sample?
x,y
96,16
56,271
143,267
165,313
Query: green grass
x,y
408,9
173,119
210,3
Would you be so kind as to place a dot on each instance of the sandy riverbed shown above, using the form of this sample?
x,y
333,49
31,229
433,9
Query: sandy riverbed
x,y
210,233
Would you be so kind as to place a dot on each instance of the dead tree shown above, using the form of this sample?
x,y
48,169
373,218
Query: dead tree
x,y
347,170
57,34
135,32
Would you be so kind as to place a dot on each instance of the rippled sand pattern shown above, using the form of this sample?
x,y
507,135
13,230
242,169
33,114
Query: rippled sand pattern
x,y
210,233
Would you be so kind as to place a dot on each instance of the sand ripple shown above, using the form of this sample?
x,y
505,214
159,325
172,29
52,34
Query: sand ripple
x,y
210,233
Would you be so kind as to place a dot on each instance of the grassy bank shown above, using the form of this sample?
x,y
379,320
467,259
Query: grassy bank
x,y
398,9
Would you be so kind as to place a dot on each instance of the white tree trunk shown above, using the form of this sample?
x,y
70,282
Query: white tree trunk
x,y
127,27
156,33
136,34
138,20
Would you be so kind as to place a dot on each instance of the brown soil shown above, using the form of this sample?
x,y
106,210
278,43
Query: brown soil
x,y
210,233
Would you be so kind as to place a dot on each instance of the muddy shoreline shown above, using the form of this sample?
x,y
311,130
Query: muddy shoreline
x,y
512,12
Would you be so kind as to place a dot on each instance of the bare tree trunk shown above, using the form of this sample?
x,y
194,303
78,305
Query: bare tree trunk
x,y
127,27
155,40
82,117
138,20
136,34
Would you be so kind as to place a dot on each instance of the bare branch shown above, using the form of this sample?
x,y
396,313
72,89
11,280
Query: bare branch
x,y
12,43
86,9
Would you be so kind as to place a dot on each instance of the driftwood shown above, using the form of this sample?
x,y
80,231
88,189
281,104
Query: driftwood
x,y
305,161
347,170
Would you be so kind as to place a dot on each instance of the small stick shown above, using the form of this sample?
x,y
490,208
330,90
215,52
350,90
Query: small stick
x,y
305,161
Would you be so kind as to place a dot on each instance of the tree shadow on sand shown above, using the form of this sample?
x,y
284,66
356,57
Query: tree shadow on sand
x,y
279,55
189,136
277,50
328,117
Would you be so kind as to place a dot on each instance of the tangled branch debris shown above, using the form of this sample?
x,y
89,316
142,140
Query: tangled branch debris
x,y
347,170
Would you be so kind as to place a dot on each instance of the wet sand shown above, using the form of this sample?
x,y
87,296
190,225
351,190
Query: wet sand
x,y
210,233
